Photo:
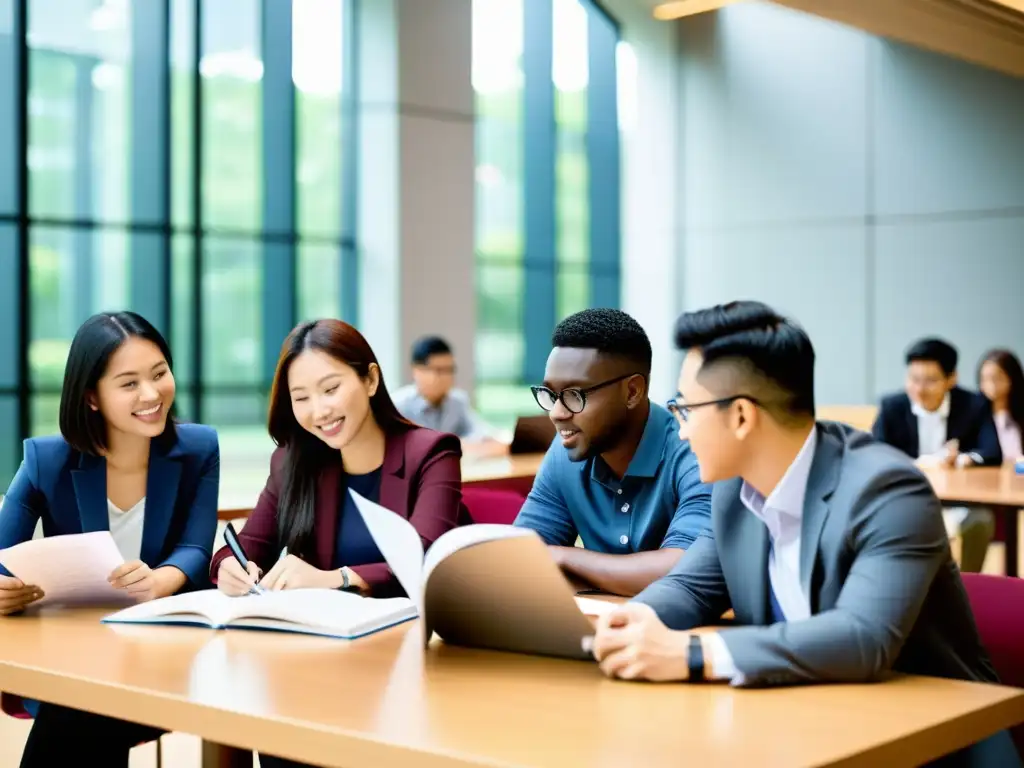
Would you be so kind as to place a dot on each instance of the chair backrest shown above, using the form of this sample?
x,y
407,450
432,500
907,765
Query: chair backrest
x,y
857,416
487,505
12,705
998,606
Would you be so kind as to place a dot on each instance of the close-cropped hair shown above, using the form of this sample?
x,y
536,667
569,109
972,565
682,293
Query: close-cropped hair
x,y
426,347
758,349
610,331
94,344
934,350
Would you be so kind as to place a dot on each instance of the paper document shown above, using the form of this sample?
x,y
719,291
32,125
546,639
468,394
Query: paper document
x,y
70,569
398,542
592,607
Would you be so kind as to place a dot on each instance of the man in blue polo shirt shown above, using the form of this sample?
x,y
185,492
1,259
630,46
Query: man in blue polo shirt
x,y
617,475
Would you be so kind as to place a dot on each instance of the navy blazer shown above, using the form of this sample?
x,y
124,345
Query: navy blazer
x,y
970,421
68,490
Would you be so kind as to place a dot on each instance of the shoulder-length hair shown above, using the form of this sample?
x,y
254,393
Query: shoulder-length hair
x,y
94,344
306,455
1010,365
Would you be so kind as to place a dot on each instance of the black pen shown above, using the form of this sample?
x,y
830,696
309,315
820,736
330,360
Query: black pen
x,y
236,549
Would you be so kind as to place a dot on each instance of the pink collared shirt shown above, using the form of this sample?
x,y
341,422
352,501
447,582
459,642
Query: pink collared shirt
x,y
1009,436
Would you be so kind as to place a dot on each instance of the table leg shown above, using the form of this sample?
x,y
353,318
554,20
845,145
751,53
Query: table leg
x,y
219,756
1012,532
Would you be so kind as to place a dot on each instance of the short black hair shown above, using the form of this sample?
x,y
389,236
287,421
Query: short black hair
x,y
94,343
770,351
428,346
609,331
934,350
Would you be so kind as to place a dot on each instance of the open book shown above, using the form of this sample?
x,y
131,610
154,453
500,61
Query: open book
x,y
326,612
488,586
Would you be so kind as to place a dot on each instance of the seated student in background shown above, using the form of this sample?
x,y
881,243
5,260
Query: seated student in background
x,y
938,423
828,545
336,428
1001,380
616,475
120,464
433,401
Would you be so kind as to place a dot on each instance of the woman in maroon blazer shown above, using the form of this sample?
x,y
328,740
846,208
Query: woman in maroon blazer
x,y
337,428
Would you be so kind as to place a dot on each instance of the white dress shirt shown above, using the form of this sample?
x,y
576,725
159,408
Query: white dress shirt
x,y
931,428
126,528
782,514
1009,436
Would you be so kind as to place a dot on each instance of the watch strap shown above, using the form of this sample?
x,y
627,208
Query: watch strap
x,y
695,659
344,578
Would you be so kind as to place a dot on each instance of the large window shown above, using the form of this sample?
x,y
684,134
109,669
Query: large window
x,y
190,160
547,179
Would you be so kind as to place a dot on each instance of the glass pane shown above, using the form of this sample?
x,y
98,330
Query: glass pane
x,y
319,281
499,340
10,446
317,70
79,97
572,288
45,412
571,74
232,72
183,309
232,315
8,108
497,75
10,307
73,273
245,446
182,46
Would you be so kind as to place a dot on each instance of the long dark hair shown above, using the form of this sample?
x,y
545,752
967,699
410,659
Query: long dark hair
x,y
94,343
306,455
1010,365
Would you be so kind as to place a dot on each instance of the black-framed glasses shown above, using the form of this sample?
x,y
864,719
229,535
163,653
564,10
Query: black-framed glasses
x,y
573,398
681,410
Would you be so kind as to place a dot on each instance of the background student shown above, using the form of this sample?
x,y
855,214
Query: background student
x,y
433,400
120,464
938,422
1001,380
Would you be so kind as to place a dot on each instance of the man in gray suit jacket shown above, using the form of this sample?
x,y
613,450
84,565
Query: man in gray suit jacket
x,y
829,547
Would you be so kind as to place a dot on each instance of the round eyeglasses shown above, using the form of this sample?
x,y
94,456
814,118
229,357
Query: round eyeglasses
x,y
573,398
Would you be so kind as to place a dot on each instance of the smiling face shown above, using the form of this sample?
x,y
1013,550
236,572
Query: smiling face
x,y
600,425
136,392
329,398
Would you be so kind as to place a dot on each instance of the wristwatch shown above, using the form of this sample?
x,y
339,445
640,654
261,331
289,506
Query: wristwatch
x,y
345,585
695,659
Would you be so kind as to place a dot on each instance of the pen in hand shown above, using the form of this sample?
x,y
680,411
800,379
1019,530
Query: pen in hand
x,y
231,537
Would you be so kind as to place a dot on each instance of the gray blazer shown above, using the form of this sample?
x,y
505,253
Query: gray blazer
x,y
875,562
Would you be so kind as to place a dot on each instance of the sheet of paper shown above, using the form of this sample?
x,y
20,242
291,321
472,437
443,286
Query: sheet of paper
x,y
591,607
210,604
70,569
398,541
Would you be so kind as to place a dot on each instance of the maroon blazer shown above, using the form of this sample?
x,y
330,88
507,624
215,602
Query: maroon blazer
x,y
421,480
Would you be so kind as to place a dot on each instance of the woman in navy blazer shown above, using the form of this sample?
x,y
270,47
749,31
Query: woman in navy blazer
x,y
120,464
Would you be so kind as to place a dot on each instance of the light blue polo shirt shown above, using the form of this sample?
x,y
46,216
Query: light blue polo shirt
x,y
660,502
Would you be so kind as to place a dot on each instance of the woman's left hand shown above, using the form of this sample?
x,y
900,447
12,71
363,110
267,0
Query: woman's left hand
x,y
136,578
295,573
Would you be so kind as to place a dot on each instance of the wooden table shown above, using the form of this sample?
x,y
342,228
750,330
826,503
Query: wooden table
x,y
382,700
998,488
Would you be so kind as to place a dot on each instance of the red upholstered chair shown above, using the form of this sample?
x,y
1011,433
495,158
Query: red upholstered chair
x,y
12,706
488,505
998,606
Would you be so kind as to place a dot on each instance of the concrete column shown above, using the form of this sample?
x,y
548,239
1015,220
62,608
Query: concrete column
x,y
416,180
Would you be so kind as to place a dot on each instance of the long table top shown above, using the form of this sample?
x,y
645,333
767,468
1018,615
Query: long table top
x,y
383,700
979,485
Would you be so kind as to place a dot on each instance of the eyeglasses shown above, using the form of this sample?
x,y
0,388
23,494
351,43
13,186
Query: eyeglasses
x,y
574,398
682,410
